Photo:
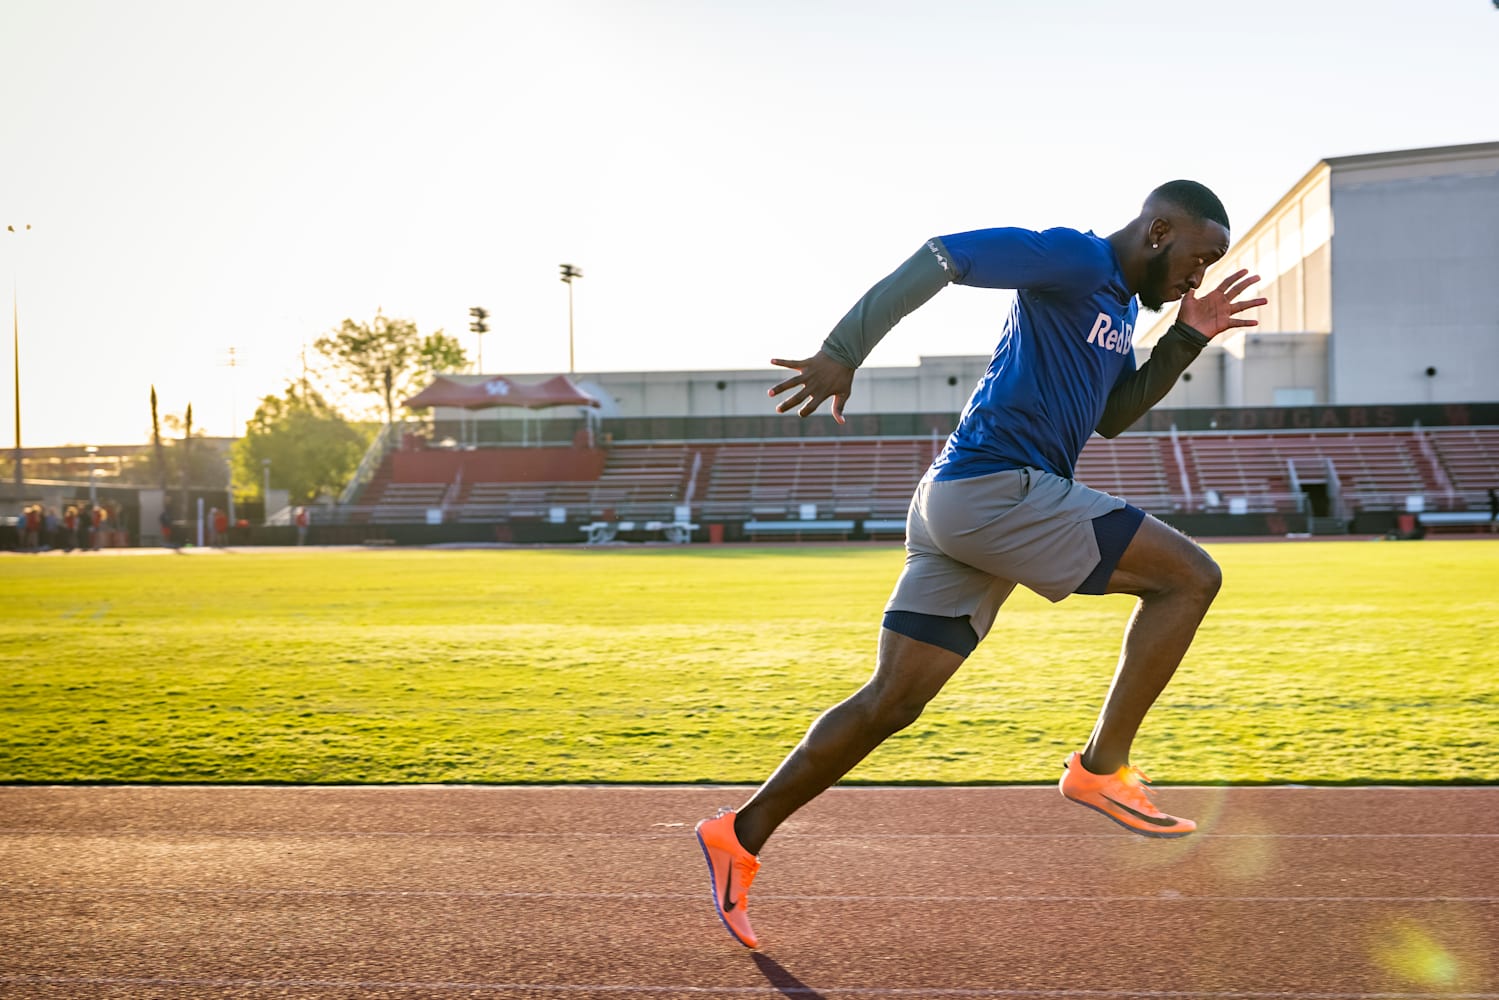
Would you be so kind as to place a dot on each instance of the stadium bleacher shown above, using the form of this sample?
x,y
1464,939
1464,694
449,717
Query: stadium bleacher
x,y
774,480
1370,470
801,488
1469,457
1135,467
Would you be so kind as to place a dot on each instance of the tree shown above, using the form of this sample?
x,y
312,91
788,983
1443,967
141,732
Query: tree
x,y
185,459
311,448
389,358
158,449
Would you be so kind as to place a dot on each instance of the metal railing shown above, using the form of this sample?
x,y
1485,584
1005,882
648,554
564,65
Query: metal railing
x,y
370,463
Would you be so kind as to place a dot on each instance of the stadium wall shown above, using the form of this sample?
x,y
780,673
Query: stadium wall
x,y
498,465
938,425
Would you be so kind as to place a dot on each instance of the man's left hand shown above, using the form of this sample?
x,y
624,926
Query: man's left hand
x,y
1217,310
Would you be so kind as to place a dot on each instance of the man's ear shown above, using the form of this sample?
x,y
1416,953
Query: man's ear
x,y
1158,231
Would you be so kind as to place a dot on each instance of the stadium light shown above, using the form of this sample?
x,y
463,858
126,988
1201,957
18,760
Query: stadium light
x,y
233,365
479,327
15,326
569,272
93,474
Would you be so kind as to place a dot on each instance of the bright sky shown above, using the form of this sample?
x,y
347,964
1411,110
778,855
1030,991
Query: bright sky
x,y
730,175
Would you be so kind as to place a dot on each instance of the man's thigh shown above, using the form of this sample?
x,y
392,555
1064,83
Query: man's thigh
x,y
1156,557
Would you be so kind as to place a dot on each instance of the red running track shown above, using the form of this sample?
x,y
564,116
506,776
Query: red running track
x,y
579,892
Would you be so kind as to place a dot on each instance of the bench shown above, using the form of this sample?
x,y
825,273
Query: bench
x,y
1459,519
885,526
797,529
600,532
677,532
603,532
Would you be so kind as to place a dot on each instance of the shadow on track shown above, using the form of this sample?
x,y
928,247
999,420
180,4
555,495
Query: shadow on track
x,y
777,976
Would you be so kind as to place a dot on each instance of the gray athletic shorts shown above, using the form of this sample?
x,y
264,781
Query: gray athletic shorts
x,y
969,541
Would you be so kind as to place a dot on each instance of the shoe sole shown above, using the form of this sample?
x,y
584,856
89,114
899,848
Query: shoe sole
x,y
1153,834
713,880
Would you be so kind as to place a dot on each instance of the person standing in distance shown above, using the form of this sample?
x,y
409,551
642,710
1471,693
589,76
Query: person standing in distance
x,y
999,506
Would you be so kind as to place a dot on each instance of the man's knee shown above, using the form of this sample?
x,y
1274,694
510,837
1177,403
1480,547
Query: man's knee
x,y
1206,577
918,654
889,711
1161,560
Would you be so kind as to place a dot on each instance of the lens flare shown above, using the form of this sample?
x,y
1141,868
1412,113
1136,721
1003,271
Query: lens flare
x,y
1409,952
1248,854
1205,804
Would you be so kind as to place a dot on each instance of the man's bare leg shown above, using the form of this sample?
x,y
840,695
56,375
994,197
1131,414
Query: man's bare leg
x,y
908,674
1176,582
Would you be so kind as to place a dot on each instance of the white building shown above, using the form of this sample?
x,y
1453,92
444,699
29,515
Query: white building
x,y
1382,272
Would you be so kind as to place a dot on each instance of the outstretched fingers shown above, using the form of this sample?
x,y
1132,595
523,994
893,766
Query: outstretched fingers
x,y
817,379
792,381
1237,284
797,382
1231,295
806,403
801,397
1215,311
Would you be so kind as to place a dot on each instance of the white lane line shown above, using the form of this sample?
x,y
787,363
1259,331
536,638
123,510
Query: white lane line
x,y
780,835
697,789
1165,897
769,990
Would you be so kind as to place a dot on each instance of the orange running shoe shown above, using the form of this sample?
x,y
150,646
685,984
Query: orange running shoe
x,y
732,869
1123,797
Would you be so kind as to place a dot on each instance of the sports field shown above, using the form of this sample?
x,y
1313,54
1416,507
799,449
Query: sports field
x,y
1347,661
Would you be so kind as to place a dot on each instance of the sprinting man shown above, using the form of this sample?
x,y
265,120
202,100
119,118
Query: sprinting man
x,y
999,506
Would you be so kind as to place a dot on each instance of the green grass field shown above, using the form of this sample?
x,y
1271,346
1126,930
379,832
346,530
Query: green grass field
x,y
1321,662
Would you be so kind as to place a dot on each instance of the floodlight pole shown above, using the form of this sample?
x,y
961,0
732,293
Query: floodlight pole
x,y
93,474
233,431
569,272
15,327
477,317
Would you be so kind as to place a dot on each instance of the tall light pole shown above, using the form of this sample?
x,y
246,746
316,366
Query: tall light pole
x,y
569,272
265,463
229,484
15,326
478,315
93,474
232,364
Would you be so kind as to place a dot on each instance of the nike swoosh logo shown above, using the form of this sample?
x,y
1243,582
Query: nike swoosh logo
x,y
1156,820
728,890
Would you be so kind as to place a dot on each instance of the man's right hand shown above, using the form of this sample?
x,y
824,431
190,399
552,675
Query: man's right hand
x,y
816,379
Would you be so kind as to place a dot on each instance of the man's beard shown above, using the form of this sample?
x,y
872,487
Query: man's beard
x,y
1153,291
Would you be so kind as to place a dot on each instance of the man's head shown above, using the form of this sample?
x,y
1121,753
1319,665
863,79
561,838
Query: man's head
x,y
1181,230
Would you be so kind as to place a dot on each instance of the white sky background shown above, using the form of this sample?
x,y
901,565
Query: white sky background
x,y
730,176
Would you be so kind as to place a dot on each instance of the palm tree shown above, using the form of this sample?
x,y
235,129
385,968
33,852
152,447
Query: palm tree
x,y
160,449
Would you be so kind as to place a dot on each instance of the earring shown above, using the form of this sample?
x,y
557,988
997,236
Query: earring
x,y
1155,246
